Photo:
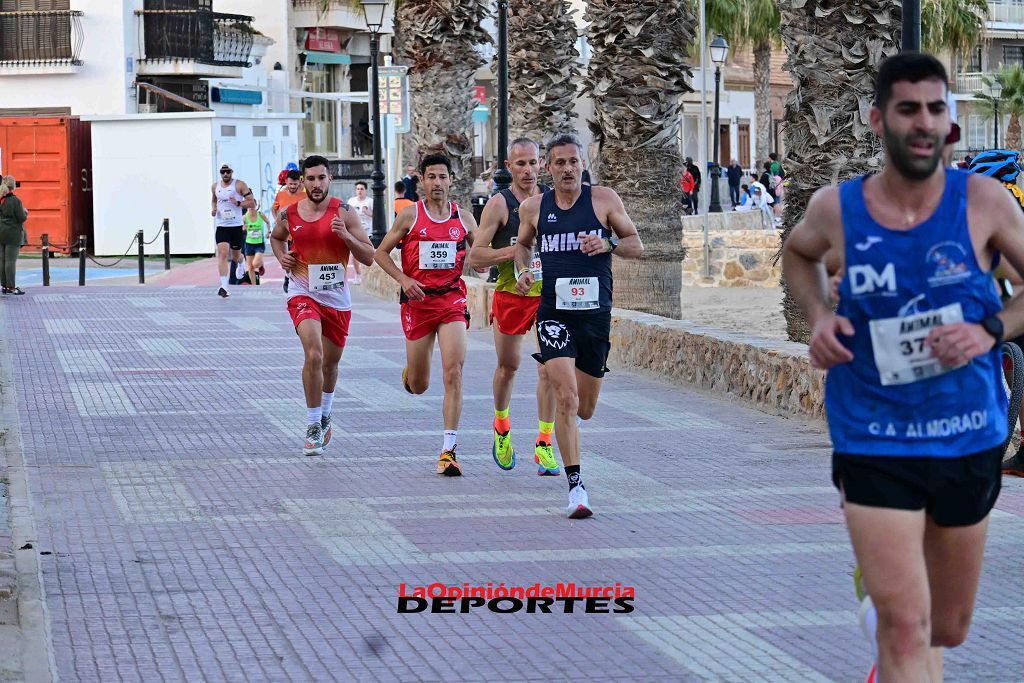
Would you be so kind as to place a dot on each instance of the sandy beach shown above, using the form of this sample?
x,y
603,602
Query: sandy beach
x,y
756,311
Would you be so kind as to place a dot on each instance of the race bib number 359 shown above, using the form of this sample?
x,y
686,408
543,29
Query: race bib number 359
x,y
437,255
901,354
325,277
577,293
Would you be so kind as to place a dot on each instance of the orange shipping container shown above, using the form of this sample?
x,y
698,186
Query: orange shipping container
x,y
51,157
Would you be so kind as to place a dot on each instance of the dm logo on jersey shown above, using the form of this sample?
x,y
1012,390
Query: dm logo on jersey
x,y
950,262
553,334
865,280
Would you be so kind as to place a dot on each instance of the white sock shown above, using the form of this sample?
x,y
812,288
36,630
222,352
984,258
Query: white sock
x,y
224,282
327,402
450,437
313,415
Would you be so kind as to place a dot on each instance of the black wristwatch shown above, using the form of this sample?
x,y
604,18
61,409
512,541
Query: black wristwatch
x,y
611,243
994,326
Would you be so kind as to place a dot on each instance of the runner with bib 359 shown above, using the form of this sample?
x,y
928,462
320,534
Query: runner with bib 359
x,y
914,397
577,228
434,235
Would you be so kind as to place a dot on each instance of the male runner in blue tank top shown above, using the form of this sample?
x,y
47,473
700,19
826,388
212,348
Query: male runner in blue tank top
x,y
914,399
577,228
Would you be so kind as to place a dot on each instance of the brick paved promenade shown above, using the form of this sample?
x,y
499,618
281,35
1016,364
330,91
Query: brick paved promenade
x,y
183,536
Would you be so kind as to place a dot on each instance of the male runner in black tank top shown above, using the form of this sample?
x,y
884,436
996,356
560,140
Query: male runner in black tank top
x,y
513,314
577,228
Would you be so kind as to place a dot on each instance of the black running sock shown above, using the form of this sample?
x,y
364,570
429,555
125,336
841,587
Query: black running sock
x,y
572,473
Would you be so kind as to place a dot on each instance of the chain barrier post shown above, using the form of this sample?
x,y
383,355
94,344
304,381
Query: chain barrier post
x,y
81,261
141,239
167,244
46,260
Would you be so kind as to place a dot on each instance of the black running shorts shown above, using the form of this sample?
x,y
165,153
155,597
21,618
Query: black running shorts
x,y
232,234
953,491
585,337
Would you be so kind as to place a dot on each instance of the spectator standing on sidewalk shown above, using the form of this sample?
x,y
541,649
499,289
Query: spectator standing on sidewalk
x,y
12,233
363,204
735,175
695,172
687,185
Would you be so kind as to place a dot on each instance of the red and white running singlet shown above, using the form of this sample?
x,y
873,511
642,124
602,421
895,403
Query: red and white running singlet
x,y
322,259
434,252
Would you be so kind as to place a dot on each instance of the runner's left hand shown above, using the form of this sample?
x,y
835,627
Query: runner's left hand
x,y
957,343
339,227
592,245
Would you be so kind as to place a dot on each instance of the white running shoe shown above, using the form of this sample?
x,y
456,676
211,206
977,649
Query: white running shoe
x,y
325,429
868,618
579,503
314,440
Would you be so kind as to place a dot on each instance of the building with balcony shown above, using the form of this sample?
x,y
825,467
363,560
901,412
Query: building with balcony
x,y
166,90
1003,47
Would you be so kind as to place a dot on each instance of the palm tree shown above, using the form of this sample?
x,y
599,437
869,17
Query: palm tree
x,y
953,25
637,78
543,68
440,41
752,22
1011,102
834,52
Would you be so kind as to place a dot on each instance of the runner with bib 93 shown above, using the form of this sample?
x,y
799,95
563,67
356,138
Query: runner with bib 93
x,y
913,395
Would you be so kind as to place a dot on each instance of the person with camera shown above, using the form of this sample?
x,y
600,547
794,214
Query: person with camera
x,y
12,233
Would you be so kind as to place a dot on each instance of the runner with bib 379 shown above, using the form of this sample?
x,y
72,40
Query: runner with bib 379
x,y
577,228
914,397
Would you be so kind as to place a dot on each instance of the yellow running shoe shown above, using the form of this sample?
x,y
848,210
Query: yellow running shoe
x,y
544,456
502,452
448,465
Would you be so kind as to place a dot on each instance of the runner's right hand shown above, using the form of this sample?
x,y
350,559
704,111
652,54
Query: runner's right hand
x,y
412,289
525,282
826,351
287,262
213,213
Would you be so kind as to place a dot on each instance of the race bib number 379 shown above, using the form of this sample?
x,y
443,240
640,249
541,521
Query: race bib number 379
x,y
325,277
901,354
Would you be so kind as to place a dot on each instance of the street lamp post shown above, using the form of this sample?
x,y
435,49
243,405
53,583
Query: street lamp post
x,y
373,12
719,51
911,33
997,90
502,177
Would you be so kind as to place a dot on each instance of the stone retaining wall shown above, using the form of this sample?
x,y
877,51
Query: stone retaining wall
x,y
742,248
772,375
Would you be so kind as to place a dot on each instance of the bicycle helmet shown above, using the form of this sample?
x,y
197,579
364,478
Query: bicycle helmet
x,y
1000,164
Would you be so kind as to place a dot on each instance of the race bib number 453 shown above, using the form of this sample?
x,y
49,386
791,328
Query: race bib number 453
x,y
437,255
901,354
324,277
577,293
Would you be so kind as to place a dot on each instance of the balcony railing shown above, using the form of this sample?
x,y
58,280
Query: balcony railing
x,y
1012,12
197,34
41,37
969,83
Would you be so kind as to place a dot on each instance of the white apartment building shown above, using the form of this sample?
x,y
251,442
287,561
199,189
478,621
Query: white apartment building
x,y
1003,47
133,78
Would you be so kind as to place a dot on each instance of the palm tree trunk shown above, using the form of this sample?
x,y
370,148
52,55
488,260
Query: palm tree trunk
x,y
637,78
440,39
1013,133
834,52
762,100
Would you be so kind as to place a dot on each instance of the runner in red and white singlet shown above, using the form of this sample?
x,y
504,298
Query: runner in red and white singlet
x,y
434,235
323,232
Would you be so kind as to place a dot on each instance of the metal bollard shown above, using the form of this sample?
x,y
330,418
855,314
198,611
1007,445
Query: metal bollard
x,y
81,261
167,244
140,238
46,260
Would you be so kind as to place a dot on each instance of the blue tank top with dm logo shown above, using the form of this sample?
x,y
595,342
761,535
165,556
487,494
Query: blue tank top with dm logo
x,y
894,399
